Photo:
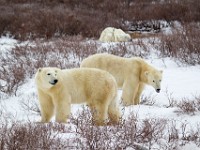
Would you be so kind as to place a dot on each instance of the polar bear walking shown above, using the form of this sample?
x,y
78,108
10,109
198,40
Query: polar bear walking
x,y
111,34
58,89
131,74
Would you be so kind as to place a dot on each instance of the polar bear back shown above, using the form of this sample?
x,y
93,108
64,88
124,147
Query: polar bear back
x,y
119,67
84,83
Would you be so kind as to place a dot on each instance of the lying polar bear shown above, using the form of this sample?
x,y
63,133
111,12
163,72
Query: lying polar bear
x,y
111,34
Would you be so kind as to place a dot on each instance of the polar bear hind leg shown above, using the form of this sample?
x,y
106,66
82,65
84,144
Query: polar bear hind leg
x,y
99,112
114,112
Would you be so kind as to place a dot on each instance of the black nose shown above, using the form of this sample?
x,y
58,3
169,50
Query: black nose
x,y
55,81
158,90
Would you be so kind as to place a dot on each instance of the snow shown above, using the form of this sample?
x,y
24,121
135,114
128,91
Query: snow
x,y
189,146
6,43
181,82
178,81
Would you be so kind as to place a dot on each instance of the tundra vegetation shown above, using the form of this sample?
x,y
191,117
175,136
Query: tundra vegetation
x,y
61,33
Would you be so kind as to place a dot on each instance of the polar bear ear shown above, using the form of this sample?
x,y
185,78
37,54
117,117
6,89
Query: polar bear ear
x,y
146,73
40,69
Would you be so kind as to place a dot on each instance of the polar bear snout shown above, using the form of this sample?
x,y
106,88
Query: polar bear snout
x,y
53,82
158,90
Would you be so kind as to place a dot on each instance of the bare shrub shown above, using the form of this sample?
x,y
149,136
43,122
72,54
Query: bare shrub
x,y
180,136
77,48
187,106
91,136
30,105
183,44
81,133
126,49
47,19
197,101
172,135
189,135
129,133
195,135
172,101
31,136
148,100
23,61
132,133
11,79
118,49
140,49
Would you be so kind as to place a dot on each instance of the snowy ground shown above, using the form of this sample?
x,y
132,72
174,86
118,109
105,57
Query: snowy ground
x,y
179,82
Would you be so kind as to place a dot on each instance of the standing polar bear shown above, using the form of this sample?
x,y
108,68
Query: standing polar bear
x,y
58,89
111,34
130,73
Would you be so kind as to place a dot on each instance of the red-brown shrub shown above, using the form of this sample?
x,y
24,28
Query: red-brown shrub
x,y
32,19
183,44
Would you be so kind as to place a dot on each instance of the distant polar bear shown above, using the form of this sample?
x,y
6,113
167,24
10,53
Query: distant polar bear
x,y
111,34
130,73
58,89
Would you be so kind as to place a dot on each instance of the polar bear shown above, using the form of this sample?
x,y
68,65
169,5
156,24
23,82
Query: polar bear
x,y
111,34
58,89
131,74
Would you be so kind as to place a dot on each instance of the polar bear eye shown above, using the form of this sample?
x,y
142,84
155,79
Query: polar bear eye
x,y
153,80
48,74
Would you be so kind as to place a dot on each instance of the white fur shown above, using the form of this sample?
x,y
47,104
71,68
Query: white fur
x,y
95,87
111,34
131,74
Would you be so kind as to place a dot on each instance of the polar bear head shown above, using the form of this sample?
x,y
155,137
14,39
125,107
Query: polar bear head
x,y
154,79
47,77
121,36
126,37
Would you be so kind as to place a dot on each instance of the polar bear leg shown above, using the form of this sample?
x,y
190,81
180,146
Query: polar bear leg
x,y
46,105
114,112
100,113
138,94
63,109
129,91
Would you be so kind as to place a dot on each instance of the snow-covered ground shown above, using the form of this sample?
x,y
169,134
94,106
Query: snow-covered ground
x,y
179,82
